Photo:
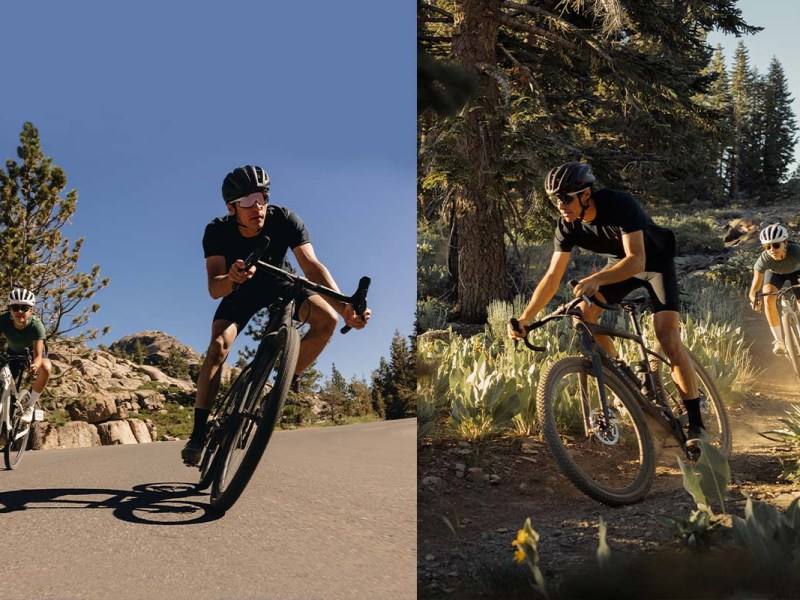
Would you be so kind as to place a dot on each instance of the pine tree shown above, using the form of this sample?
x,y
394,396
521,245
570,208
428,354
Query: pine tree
x,y
718,99
139,354
358,398
395,381
334,394
35,253
779,127
299,407
611,81
175,364
746,146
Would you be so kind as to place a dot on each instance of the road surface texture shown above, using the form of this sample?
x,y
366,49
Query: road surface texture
x,y
329,513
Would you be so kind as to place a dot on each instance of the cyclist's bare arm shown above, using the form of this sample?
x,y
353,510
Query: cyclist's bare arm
x,y
222,281
317,272
631,264
755,286
38,355
545,289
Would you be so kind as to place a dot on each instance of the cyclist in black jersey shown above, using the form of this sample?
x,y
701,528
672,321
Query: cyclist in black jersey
x,y
777,264
227,242
640,254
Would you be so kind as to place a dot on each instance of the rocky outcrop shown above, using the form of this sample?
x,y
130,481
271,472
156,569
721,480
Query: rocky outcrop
x,y
80,434
113,433
156,347
103,394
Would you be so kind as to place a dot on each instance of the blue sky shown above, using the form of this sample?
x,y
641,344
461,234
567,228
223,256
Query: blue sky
x,y
778,39
147,105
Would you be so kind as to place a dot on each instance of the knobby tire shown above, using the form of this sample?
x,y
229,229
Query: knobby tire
x,y
588,463
229,483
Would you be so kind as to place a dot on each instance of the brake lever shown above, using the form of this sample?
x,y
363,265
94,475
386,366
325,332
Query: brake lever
x,y
515,325
359,300
254,257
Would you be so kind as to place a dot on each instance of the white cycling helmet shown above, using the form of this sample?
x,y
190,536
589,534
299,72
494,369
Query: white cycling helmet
x,y
773,233
21,296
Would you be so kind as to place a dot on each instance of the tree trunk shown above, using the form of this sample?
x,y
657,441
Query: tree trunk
x,y
478,221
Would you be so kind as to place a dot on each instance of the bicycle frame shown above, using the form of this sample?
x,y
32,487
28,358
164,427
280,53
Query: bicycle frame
x,y
784,300
10,386
592,350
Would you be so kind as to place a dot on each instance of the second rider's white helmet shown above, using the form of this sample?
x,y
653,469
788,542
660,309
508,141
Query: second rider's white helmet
x,y
773,233
21,296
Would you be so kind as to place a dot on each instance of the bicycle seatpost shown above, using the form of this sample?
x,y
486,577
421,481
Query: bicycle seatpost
x,y
359,300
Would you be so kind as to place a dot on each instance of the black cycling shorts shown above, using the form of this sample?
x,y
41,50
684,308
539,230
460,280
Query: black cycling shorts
x,y
778,280
240,306
662,285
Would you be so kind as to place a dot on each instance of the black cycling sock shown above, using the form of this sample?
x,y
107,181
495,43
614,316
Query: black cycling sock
x,y
693,412
199,429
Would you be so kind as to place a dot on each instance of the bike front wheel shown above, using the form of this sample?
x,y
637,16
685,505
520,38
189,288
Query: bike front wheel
x,y
250,427
608,456
217,428
791,335
17,438
712,408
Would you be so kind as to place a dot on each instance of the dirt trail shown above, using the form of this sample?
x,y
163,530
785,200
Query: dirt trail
x,y
466,524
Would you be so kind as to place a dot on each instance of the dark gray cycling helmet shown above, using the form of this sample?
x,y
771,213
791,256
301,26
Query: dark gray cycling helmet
x,y
243,181
568,178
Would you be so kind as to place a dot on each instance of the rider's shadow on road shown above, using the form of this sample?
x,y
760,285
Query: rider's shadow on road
x,y
148,503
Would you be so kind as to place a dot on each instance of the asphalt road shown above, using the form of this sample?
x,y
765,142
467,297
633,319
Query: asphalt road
x,y
329,513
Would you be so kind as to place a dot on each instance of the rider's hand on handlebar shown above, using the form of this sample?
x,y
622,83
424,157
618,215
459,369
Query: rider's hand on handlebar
x,y
513,333
755,303
353,320
238,274
586,287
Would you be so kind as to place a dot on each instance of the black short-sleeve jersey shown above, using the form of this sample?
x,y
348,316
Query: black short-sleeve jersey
x,y
617,213
286,231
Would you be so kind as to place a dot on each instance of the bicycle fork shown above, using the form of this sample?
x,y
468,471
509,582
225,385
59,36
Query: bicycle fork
x,y
602,427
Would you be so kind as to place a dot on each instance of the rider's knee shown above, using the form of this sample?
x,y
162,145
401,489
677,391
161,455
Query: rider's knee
x,y
218,351
325,323
47,366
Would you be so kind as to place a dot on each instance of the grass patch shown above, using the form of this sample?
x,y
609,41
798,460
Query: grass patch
x,y
57,417
346,421
177,422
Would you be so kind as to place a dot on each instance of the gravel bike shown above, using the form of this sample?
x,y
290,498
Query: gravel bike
x,y
242,422
13,431
596,411
790,323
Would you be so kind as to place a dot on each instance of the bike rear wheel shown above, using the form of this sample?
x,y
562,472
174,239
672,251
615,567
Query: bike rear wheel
x,y
612,461
217,428
251,426
17,438
791,336
712,409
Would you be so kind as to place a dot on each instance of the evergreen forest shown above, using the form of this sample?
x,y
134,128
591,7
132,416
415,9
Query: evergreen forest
x,y
508,90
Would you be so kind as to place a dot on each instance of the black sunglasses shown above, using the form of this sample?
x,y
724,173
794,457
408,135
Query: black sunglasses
x,y
20,307
565,198
774,245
